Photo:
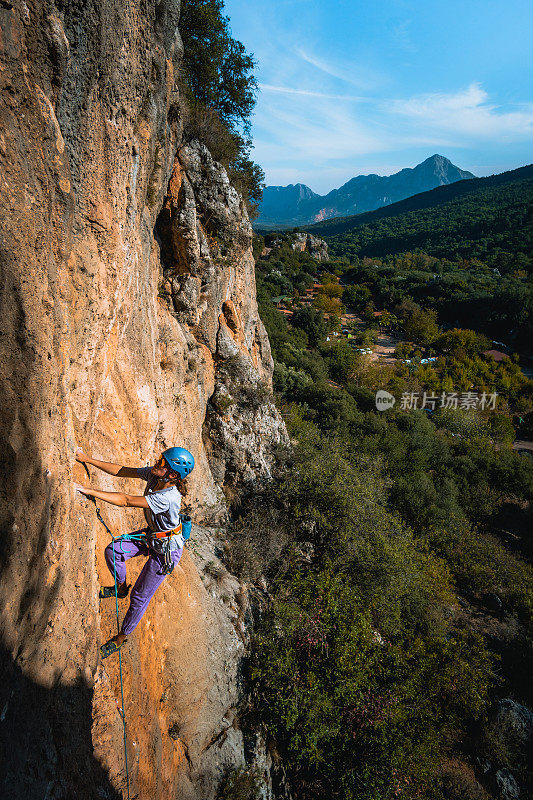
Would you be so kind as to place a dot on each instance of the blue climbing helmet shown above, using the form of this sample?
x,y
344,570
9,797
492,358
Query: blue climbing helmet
x,y
180,460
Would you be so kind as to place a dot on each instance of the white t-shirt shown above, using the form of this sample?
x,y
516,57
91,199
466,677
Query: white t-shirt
x,y
163,513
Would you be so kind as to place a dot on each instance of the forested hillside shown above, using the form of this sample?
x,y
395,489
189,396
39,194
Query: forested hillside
x,y
394,658
469,258
444,221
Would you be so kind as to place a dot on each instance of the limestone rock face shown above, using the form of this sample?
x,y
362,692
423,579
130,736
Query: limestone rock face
x,y
128,314
316,247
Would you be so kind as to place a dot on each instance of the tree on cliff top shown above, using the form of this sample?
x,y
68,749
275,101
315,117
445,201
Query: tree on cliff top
x,y
218,68
221,92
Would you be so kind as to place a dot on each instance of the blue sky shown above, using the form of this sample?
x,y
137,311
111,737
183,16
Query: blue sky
x,y
349,88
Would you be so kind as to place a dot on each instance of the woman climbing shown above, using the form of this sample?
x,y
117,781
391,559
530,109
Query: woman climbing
x,y
161,539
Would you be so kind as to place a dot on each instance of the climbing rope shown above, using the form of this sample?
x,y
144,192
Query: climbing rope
x,y
123,711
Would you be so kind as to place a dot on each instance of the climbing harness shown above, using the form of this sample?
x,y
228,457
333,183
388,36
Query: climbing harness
x,y
122,711
165,542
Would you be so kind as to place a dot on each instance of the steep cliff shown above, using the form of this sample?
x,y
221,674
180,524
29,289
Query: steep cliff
x,y
129,323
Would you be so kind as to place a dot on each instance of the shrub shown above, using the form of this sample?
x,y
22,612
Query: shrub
x,y
204,123
215,571
481,565
458,782
243,783
255,395
256,538
222,402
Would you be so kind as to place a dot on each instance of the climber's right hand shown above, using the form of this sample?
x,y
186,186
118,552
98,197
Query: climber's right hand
x,y
80,456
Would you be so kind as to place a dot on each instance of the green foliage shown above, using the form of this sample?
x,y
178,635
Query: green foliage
x,y
464,250
342,361
366,668
422,326
311,321
249,179
220,91
480,565
462,342
357,296
243,783
217,67
357,670
223,402
485,219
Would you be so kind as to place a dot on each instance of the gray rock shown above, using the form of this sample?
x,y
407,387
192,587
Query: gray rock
x,y
317,248
507,785
516,718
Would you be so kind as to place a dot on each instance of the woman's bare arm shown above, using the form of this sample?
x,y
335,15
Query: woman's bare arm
x,y
107,466
115,498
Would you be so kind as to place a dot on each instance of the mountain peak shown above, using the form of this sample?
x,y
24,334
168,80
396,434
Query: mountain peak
x,y
443,169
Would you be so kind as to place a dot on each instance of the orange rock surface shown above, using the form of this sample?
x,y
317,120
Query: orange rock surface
x,y
128,306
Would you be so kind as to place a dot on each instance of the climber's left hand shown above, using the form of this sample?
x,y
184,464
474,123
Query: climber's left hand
x,y
83,489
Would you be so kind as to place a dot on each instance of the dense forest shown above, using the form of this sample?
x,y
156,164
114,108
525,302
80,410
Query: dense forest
x,y
476,211
470,258
397,642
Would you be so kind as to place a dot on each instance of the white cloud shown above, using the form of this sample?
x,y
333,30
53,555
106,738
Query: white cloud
x,y
267,87
467,112
308,132
321,130
356,74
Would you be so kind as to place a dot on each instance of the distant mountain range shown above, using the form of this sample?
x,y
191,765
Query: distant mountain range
x,y
297,204
473,198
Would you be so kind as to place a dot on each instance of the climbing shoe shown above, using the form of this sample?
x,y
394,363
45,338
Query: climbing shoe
x,y
109,591
110,647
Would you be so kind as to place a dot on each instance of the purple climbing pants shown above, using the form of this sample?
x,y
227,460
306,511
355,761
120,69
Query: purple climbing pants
x,y
150,578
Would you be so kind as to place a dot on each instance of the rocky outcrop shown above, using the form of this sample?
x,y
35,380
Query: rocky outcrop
x,y
209,283
513,729
515,719
128,311
300,242
316,247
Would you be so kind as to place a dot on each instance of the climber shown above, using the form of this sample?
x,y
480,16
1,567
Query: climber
x,y
160,540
